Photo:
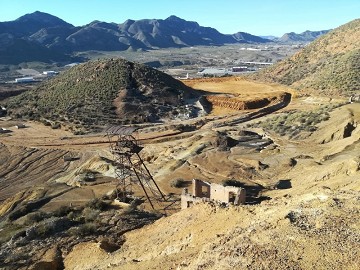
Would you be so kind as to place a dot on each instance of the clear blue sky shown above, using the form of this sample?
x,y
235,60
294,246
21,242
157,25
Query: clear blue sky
x,y
258,17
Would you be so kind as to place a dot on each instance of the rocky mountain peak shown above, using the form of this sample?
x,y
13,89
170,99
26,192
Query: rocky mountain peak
x,y
44,18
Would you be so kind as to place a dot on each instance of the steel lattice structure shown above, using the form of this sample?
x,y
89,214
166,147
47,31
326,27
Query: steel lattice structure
x,y
130,168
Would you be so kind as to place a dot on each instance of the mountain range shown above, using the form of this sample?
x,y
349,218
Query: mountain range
x,y
307,36
43,37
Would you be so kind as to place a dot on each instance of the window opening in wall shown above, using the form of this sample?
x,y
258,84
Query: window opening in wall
x,y
232,197
205,191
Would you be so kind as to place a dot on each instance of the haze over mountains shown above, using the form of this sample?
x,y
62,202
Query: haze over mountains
x,y
43,37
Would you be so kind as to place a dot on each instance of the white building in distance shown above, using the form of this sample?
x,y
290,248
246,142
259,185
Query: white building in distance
x,y
24,80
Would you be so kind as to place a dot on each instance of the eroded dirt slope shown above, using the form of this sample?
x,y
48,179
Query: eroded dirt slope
x,y
26,167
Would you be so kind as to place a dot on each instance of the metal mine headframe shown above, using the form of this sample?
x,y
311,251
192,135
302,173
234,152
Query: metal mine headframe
x,y
130,168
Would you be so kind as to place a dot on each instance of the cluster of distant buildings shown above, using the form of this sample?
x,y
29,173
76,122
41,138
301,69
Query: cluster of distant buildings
x,y
45,74
30,75
246,67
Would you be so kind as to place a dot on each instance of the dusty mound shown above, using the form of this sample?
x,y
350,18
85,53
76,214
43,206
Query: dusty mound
x,y
330,63
103,92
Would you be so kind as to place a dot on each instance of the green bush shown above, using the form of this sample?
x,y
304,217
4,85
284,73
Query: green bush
x,y
87,175
43,230
8,230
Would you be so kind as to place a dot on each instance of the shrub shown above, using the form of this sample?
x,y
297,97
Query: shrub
x,y
177,183
18,213
9,230
83,229
97,204
132,208
90,214
79,132
87,228
232,182
34,217
87,175
43,230
62,211
56,125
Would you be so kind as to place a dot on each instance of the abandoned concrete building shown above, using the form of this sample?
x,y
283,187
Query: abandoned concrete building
x,y
203,191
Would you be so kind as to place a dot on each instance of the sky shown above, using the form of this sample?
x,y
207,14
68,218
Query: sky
x,y
257,17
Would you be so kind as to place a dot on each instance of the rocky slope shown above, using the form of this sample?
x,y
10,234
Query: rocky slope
x,y
328,65
103,92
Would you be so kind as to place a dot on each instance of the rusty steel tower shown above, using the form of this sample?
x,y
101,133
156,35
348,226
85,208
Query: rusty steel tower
x,y
130,168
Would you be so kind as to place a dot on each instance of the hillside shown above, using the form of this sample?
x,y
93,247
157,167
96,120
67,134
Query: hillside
x,y
16,50
16,46
311,224
301,208
103,92
330,64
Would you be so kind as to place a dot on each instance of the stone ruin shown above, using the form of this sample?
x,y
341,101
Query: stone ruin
x,y
354,98
203,191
